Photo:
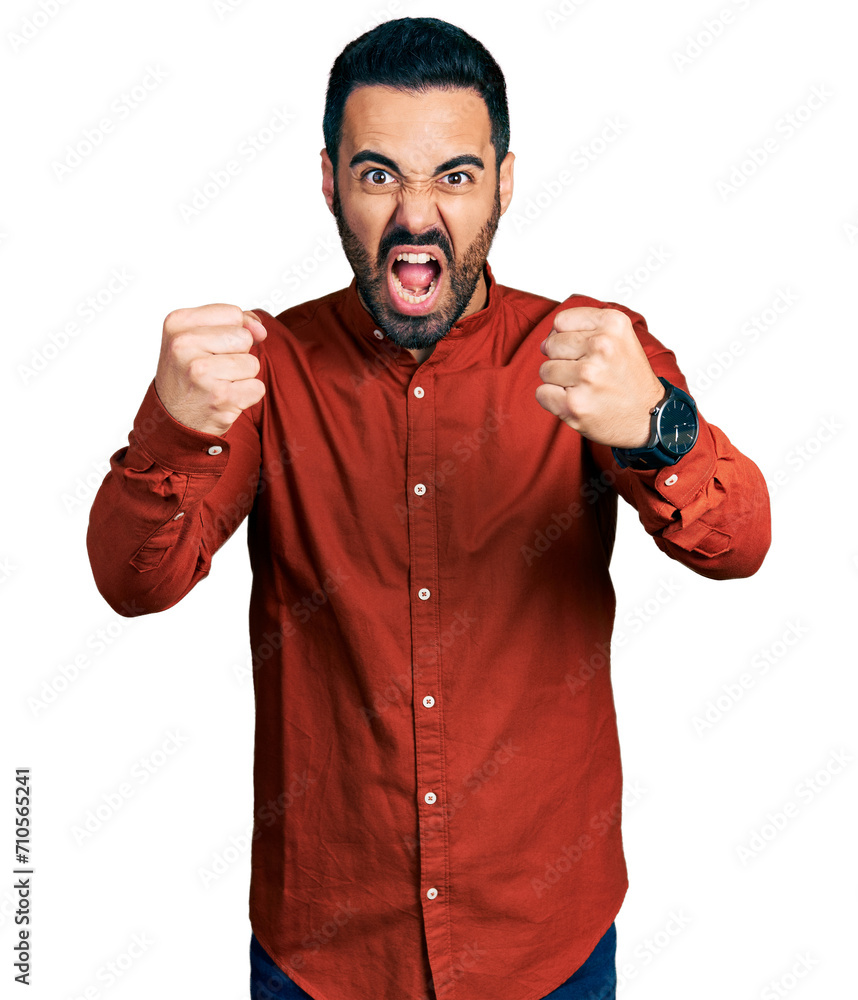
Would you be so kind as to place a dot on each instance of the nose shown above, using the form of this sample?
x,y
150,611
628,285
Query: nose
x,y
416,210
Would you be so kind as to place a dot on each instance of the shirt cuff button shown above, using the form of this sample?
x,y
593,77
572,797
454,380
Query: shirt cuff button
x,y
671,480
215,449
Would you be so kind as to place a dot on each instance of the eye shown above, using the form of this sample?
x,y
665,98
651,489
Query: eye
x,y
376,176
458,179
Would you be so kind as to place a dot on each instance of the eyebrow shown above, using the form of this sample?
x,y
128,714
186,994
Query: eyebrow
x,y
370,155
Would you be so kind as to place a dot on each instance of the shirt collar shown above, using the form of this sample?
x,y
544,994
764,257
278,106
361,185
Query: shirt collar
x,y
470,328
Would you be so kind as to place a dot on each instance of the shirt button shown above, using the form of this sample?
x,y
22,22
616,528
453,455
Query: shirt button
x,y
420,489
423,594
418,391
378,334
215,449
428,701
671,480
431,893
430,797
180,514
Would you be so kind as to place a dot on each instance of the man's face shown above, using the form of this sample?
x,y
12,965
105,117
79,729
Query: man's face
x,y
417,176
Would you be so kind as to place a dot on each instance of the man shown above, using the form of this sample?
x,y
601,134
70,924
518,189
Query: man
x,y
429,463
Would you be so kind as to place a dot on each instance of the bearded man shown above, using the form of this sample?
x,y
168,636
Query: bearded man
x,y
430,463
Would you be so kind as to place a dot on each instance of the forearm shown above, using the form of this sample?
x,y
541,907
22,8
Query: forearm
x,y
167,504
710,511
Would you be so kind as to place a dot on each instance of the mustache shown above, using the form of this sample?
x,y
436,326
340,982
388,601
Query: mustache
x,y
402,236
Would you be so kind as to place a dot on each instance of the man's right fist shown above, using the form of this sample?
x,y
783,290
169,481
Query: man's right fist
x,y
206,375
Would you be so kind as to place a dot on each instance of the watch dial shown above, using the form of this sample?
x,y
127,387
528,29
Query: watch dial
x,y
677,426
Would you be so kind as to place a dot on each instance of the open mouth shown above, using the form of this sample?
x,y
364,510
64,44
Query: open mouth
x,y
415,278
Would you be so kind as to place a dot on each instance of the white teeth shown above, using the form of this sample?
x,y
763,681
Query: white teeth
x,y
415,258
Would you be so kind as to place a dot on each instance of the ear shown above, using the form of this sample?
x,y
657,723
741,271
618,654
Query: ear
x,y
505,181
328,179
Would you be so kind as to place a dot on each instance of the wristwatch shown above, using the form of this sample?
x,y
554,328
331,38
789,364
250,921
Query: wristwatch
x,y
673,432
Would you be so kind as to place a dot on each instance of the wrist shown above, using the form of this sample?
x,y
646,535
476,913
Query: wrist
x,y
673,432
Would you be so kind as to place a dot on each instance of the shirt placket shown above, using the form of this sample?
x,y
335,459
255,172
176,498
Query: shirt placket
x,y
428,700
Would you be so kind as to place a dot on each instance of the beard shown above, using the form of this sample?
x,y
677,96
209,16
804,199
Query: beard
x,y
416,332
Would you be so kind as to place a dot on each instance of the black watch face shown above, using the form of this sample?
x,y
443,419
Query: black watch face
x,y
677,426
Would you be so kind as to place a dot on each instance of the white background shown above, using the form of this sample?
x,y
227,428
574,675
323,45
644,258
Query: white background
x,y
704,262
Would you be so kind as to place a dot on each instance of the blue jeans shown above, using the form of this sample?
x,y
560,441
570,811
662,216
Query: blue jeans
x,y
595,980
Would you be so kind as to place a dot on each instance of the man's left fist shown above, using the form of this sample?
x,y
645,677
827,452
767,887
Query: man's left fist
x,y
598,379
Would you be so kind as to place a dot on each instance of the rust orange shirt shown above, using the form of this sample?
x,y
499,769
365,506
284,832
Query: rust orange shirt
x,y
430,627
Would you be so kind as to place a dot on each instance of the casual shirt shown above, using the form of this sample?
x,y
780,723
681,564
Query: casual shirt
x,y
437,780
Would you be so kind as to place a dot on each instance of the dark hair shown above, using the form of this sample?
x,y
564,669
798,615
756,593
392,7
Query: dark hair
x,y
415,54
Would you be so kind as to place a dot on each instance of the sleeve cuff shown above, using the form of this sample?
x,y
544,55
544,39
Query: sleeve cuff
x,y
679,483
174,445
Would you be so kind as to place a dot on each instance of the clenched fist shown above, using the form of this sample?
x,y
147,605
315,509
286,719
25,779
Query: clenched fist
x,y
598,379
206,375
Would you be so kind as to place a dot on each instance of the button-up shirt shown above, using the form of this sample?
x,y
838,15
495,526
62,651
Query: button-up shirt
x,y
437,780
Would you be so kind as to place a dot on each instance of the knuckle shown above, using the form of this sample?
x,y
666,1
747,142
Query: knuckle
x,y
604,342
174,321
182,345
220,395
233,315
198,368
564,319
241,339
614,321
